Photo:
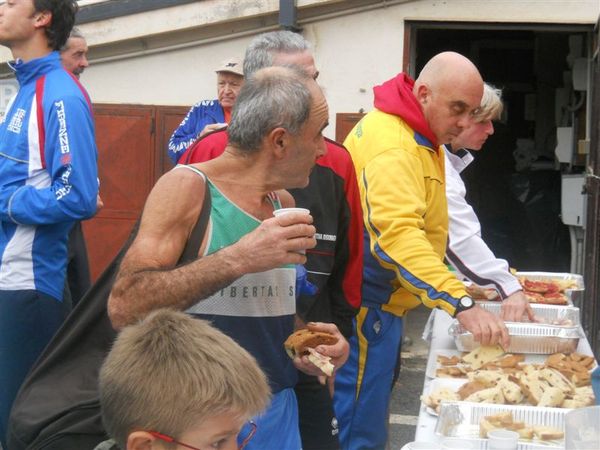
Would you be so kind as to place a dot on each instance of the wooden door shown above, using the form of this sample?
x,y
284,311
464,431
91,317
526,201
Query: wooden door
x,y
125,140
168,119
131,143
344,122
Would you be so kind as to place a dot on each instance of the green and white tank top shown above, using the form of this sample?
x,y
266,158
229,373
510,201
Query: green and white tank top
x,y
270,293
257,310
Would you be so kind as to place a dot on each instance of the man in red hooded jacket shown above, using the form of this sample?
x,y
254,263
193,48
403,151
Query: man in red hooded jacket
x,y
400,169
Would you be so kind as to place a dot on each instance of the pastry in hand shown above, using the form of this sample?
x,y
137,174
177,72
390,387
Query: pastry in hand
x,y
303,342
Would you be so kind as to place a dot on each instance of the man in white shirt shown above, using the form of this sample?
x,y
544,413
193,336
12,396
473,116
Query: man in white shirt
x,y
466,251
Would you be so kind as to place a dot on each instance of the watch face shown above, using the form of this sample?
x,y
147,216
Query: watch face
x,y
466,302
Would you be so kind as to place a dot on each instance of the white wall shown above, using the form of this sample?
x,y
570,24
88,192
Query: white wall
x,y
179,77
353,51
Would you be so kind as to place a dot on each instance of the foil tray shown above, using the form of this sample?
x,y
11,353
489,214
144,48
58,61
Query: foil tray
x,y
461,420
575,296
525,337
482,444
542,311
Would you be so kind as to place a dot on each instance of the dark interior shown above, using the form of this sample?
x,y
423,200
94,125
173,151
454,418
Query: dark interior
x,y
518,207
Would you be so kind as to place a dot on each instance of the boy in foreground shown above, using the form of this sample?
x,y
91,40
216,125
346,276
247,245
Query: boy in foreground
x,y
175,379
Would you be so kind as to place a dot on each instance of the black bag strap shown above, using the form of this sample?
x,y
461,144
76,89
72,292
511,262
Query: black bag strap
x,y
58,402
192,247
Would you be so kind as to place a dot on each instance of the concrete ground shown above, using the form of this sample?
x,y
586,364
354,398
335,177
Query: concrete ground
x,y
405,404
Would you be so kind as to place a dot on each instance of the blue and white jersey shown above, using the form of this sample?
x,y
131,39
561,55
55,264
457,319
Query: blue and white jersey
x,y
48,175
201,114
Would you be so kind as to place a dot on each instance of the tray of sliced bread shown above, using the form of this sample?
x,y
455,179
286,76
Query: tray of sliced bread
x,y
455,364
537,426
450,363
490,376
535,386
539,338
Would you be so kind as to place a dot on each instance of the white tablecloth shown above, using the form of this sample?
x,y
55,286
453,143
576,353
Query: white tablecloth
x,y
436,332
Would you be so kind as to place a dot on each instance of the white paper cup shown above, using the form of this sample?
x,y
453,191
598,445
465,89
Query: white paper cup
x,y
284,211
421,446
582,430
502,440
457,444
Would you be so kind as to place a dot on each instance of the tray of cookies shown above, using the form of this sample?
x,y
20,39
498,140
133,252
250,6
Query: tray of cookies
x,y
525,337
537,426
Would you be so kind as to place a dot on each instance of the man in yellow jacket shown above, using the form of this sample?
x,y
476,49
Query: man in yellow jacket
x,y
400,169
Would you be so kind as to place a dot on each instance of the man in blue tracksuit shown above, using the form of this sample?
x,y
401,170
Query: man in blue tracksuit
x,y
48,180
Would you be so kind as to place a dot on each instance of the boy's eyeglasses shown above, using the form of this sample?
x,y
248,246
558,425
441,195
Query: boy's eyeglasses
x,y
167,438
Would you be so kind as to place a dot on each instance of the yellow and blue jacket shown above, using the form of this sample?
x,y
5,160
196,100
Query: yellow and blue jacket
x,y
401,180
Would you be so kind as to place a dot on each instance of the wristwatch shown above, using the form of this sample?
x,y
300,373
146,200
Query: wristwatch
x,y
463,304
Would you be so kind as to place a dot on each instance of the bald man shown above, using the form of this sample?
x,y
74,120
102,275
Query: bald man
x,y
400,168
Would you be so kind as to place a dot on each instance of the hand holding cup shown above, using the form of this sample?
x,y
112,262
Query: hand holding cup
x,y
285,211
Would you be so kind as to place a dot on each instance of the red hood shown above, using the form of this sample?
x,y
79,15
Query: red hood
x,y
395,96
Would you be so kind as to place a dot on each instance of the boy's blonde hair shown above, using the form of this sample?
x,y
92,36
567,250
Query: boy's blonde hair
x,y
491,104
170,372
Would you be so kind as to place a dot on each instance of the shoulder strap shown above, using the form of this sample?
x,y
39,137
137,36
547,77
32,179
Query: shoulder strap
x,y
39,95
274,200
192,247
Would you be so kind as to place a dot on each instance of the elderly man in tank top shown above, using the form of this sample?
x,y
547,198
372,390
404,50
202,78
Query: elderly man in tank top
x,y
244,278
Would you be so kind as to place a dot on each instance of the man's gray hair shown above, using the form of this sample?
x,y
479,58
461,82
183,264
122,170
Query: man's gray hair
x,y
75,33
263,48
272,97
491,104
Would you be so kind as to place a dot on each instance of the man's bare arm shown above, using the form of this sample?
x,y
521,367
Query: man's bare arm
x,y
148,278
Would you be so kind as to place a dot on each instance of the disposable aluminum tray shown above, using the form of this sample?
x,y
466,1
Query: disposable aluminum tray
x,y
461,420
525,338
547,313
482,444
575,296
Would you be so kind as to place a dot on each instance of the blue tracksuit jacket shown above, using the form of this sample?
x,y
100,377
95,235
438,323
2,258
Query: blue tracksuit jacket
x,y
48,174
201,114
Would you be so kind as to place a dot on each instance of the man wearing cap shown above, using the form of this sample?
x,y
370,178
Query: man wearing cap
x,y
209,115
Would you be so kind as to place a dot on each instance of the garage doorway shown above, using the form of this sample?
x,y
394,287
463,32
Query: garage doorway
x,y
514,184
